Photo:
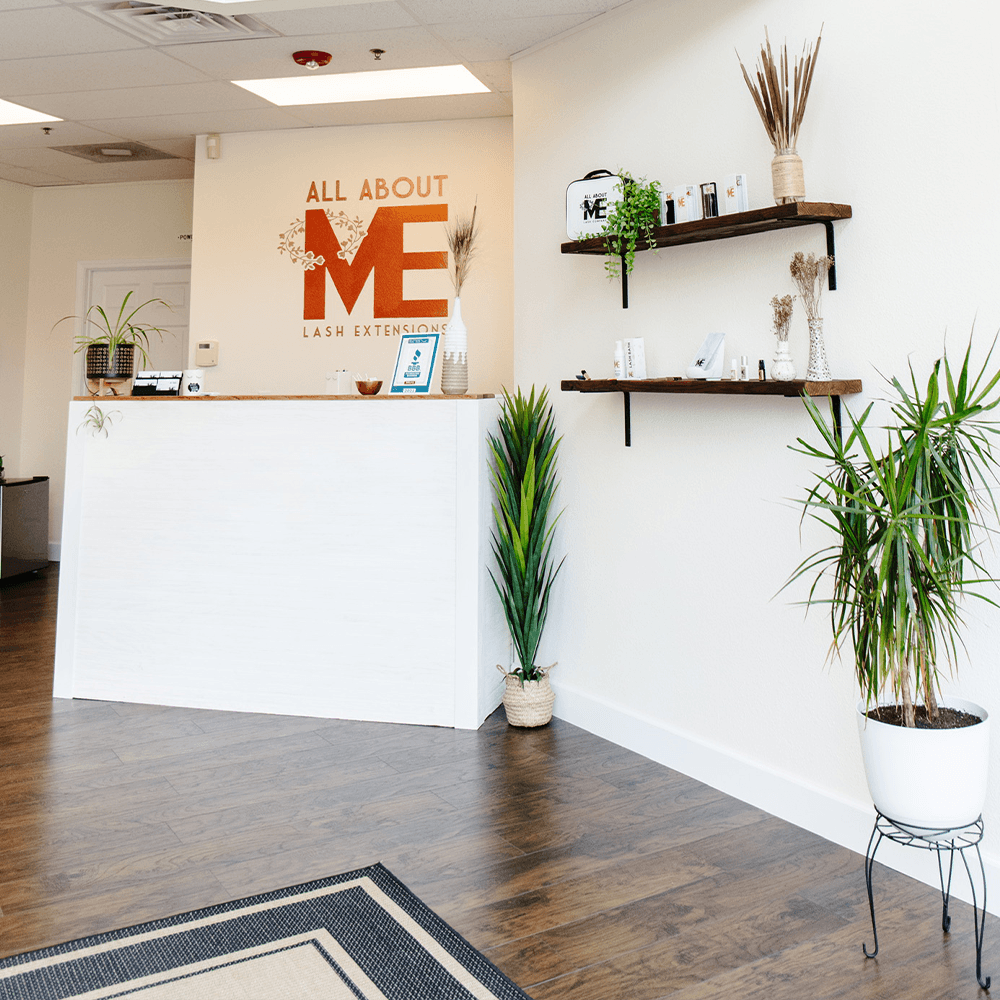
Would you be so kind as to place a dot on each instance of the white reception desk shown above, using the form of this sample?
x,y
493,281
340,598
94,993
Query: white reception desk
x,y
322,556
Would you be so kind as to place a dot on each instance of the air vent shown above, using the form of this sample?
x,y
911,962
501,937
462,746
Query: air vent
x,y
116,152
160,25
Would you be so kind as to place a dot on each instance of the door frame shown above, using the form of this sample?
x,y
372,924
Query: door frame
x,y
85,269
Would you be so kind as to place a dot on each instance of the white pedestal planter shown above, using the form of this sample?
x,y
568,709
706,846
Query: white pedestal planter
x,y
928,778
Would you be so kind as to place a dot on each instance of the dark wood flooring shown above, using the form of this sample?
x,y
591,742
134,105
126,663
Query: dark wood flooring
x,y
583,870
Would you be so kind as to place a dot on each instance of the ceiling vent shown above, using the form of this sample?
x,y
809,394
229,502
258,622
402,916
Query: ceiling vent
x,y
116,152
159,25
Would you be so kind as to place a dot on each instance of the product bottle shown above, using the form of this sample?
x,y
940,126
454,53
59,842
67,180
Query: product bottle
x,y
734,371
744,368
619,360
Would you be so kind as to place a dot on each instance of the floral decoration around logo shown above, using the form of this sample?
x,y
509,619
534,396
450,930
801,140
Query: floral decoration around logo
x,y
352,232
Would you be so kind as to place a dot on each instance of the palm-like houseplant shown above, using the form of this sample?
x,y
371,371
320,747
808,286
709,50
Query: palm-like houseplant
x,y
524,482
908,521
111,341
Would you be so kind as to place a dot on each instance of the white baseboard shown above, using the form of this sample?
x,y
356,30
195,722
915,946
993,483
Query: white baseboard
x,y
55,549
838,819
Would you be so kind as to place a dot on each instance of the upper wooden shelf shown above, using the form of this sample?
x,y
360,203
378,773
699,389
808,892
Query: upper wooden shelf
x,y
771,387
723,227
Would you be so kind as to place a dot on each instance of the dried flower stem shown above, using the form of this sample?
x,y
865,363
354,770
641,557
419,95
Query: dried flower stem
x,y
462,238
780,111
809,274
782,315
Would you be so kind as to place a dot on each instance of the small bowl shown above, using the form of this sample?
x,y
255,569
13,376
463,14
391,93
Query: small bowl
x,y
369,388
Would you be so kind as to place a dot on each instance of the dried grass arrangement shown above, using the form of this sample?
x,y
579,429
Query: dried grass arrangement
x,y
809,274
782,316
462,237
781,111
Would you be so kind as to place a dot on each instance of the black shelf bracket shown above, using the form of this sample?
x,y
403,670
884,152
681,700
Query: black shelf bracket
x,y
831,250
628,419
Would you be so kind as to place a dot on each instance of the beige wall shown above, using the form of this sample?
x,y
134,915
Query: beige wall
x,y
249,296
15,238
73,224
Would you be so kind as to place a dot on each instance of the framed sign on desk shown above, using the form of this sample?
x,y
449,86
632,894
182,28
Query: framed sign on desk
x,y
415,363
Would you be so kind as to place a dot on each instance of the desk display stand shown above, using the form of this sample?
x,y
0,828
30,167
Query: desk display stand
x,y
950,841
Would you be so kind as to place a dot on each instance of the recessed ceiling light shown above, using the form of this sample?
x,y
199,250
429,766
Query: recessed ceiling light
x,y
373,85
14,114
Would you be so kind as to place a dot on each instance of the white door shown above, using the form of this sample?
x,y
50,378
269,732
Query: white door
x,y
172,284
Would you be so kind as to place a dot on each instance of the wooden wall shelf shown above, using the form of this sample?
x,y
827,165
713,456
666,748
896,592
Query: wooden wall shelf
x,y
723,387
724,227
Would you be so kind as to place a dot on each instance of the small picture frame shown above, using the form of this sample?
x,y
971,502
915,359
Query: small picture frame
x,y
415,363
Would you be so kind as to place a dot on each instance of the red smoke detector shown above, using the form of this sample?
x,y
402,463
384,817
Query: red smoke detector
x,y
311,59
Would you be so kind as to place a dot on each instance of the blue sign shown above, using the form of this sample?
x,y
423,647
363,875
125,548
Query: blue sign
x,y
415,363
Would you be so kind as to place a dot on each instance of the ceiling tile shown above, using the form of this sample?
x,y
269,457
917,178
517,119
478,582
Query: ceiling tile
x,y
495,74
62,134
30,176
496,39
418,109
141,102
440,11
53,31
152,129
324,21
101,71
261,59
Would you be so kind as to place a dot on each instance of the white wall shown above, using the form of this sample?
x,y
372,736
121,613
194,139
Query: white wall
x,y
72,224
15,237
249,296
666,625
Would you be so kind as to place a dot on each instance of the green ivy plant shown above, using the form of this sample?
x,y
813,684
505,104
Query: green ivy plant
x,y
524,481
630,222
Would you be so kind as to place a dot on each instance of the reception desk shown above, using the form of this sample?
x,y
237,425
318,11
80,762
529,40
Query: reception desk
x,y
321,556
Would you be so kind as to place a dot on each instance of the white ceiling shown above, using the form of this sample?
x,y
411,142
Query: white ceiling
x,y
62,58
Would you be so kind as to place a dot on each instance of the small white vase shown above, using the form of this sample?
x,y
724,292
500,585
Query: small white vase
x,y
782,368
455,360
818,369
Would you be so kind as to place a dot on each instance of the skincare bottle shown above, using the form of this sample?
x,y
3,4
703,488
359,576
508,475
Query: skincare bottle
x,y
734,371
619,360
744,368
761,371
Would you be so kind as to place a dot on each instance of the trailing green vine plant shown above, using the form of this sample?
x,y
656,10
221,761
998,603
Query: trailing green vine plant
x,y
630,222
97,421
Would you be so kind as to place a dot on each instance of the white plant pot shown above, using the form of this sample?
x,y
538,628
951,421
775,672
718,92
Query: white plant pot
x,y
927,778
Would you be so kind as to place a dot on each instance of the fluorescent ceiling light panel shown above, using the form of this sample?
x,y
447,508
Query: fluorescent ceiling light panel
x,y
374,85
14,114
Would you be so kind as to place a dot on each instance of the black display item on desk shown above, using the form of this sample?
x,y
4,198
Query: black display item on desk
x,y
157,384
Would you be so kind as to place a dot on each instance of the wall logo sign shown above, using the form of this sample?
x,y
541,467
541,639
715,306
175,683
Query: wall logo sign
x,y
341,247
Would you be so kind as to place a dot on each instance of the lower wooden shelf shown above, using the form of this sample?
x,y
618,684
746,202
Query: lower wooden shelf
x,y
834,388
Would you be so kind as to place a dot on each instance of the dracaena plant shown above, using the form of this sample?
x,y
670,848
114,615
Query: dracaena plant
x,y
524,483
908,521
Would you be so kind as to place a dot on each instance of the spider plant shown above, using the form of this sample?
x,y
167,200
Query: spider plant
x,y
908,522
124,330
524,481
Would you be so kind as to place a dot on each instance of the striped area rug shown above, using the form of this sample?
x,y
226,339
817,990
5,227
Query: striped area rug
x,y
358,936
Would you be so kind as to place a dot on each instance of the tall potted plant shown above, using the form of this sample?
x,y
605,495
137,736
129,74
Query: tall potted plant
x,y
907,521
111,341
524,482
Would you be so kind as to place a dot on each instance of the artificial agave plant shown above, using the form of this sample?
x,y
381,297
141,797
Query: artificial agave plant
x,y
524,481
907,523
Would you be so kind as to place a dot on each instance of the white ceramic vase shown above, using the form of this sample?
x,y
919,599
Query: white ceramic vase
x,y
818,369
455,359
927,779
782,367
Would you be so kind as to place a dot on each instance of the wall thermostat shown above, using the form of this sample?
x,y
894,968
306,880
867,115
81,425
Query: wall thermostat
x,y
206,353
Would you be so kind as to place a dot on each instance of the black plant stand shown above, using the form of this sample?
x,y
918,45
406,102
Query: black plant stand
x,y
948,841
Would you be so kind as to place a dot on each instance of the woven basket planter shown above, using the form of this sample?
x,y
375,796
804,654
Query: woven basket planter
x,y
528,704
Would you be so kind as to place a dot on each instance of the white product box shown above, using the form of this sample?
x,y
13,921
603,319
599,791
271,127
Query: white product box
x,y
635,357
734,194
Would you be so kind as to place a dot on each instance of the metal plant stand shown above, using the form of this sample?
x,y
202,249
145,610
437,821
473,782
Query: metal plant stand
x,y
950,841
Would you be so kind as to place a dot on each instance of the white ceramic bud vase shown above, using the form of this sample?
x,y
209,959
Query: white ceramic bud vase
x,y
782,367
819,369
455,362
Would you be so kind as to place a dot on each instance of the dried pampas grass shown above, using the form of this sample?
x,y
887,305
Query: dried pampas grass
x,y
780,111
462,238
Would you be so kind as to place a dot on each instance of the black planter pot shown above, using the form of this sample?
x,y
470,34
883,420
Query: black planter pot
x,y
101,364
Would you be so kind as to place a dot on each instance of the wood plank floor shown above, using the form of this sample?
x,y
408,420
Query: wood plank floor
x,y
585,871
